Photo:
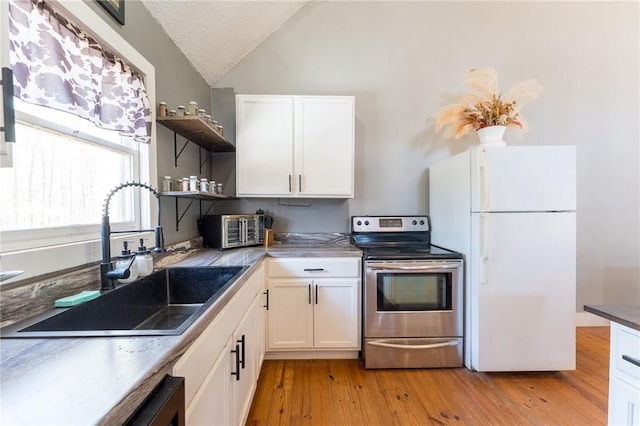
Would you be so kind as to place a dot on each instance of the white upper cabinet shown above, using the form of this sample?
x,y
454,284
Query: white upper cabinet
x,y
295,146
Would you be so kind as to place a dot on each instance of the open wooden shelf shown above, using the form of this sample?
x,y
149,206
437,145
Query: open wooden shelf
x,y
199,132
198,195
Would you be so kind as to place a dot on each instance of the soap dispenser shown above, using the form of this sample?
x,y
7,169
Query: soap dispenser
x,y
144,260
127,261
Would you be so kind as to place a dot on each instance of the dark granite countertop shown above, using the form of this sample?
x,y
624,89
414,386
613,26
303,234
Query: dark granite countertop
x,y
627,315
100,380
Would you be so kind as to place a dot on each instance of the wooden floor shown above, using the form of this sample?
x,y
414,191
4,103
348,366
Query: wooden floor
x,y
342,392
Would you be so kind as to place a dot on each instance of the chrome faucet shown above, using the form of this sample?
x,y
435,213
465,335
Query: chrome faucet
x,y
107,273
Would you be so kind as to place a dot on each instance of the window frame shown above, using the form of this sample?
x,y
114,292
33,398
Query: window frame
x,y
61,256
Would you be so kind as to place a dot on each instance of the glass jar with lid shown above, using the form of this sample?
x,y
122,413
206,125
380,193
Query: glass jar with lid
x,y
193,183
193,108
162,110
204,185
166,184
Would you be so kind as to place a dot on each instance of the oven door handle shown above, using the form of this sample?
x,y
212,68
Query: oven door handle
x,y
413,267
398,346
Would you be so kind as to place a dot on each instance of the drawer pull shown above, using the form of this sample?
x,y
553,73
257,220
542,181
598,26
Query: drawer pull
x,y
633,361
313,269
401,346
309,293
267,294
237,372
242,342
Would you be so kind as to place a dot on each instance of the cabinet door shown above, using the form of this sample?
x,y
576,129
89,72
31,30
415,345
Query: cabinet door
x,y
261,325
244,386
624,403
336,307
290,315
264,145
324,146
211,404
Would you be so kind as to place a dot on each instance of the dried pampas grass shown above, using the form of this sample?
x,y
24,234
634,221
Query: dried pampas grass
x,y
486,107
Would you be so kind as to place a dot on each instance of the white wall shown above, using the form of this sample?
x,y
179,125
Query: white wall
x,y
403,60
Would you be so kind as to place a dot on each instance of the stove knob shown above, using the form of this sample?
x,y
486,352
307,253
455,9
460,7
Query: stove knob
x,y
422,222
366,222
359,223
415,222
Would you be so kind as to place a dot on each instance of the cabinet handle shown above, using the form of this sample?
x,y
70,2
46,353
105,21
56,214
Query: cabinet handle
x,y
237,372
633,361
299,183
313,269
242,342
289,183
309,287
316,294
267,305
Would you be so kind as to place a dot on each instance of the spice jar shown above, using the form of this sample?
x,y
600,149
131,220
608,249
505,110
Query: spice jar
x,y
185,184
181,111
172,113
193,108
162,110
193,183
166,184
220,130
212,186
204,185
219,188
201,113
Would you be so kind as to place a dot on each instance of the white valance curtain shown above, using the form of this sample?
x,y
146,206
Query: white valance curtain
x,y
57,65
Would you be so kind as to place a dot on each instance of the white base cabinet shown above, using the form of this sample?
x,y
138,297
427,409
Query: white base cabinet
x,y
221,367
295,146
624,376
314,304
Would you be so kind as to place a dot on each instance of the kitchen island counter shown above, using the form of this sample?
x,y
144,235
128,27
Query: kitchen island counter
x,y
627,315
101,380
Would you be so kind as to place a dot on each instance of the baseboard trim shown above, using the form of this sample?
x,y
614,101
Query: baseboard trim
x,y
311,355
587,319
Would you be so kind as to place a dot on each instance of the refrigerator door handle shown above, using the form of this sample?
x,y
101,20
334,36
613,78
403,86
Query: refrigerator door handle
x,y
484,248
484,183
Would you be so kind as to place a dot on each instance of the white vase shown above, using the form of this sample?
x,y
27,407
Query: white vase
x,y
491,135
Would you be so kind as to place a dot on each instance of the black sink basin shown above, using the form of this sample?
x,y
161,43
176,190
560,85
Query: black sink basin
x,y
164,303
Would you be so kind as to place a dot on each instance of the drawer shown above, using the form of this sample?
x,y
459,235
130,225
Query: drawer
x,y
625,342
319,267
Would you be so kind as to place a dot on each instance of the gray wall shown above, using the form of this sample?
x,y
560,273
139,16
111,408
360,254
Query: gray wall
x,y
177,83
403,60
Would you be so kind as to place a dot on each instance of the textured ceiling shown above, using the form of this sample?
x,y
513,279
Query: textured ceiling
x,y
216,34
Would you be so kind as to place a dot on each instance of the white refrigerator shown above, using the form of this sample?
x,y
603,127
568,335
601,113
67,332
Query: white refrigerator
x,y
512,212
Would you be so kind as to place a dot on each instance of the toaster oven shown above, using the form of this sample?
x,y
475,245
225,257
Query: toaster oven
x,y
225,231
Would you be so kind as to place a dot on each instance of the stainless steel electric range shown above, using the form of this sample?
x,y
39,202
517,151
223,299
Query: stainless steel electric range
x,y
412,294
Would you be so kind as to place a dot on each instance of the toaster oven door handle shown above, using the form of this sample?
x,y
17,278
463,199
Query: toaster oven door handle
x,y
413,267
384,344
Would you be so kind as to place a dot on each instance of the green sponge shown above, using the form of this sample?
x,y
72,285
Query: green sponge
x,y
77,299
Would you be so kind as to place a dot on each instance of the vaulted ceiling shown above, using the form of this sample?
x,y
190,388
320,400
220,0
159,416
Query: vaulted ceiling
x,y
215,35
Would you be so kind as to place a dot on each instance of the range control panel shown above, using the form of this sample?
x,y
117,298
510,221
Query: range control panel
x,y
389,223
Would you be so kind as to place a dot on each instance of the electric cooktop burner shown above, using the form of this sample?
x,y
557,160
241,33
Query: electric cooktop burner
x,y
428,252
396,237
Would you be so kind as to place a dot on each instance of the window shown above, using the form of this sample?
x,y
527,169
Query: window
x,y
60,177
63,169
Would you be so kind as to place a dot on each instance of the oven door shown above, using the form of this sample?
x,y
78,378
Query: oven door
x,y
407,299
